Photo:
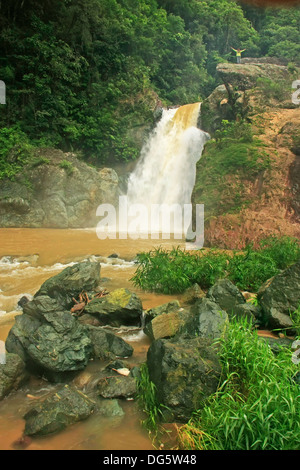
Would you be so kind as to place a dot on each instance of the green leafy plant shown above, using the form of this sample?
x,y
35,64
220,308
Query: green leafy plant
x,y
249,271
172,271
15,151
270,89
232,131
257,406
67,166
146,394
39,161
284,250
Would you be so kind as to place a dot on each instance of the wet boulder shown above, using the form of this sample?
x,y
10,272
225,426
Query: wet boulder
x,y
61,409
119,307
226,295
106,344
185,373
280,297
50,341
12,374
111,408
164,321
166,325
170,307
192,294
253,313
117,386
206,320
70,282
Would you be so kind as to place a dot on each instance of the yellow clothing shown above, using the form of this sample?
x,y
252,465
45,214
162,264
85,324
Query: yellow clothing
x,y
238,53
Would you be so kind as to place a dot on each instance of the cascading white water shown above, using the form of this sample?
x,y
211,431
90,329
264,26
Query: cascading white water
x,y
166,171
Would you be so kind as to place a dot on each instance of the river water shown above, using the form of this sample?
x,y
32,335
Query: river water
x,y
27,258
164,175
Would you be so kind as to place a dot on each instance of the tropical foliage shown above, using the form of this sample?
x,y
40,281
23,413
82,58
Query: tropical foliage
x,y
257,406
79,74
173,271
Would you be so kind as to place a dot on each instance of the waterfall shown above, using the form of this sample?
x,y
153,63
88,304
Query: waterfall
x,y
166,171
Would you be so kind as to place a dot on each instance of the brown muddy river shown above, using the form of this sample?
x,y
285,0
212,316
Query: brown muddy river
x,y
27,258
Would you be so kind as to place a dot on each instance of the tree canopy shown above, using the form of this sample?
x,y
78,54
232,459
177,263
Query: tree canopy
x,y
79,73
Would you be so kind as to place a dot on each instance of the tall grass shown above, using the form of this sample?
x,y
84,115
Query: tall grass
x,y
257,407
146,394
172,271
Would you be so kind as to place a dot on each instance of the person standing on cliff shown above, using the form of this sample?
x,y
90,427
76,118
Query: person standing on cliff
x,y
238,54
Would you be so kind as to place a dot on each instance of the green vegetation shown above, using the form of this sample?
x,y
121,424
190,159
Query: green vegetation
x,y
146,393
295,317
39,161
269,89
257,407
87,75
15,151
233,156
66,165
173,271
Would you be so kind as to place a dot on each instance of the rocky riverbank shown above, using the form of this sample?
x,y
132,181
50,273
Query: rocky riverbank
x,y
54,340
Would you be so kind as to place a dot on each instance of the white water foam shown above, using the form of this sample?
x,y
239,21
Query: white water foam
x,y
18,269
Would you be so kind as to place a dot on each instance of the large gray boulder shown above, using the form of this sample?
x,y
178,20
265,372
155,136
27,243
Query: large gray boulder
x,y
111,408
185,374
206,320
164,321
59,410
117,387
172,306
51,343
280,297
84,276
12,374
244,76
192,294
252,313
106,344
226,295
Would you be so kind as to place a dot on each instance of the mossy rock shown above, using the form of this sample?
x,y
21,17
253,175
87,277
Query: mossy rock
x,y
68,284
165,325
63,408
119,307
185,374
117,387
12,374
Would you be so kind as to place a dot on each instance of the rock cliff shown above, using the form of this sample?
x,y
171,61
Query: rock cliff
x,y
56,190
250,187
